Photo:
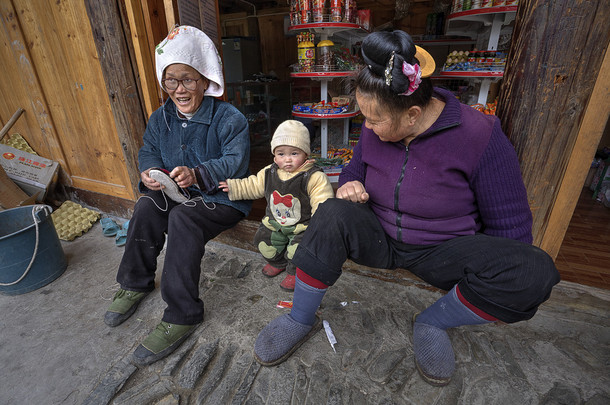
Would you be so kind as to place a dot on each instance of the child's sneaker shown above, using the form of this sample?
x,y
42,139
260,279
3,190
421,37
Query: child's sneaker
x,y
170,187
288,283
271,271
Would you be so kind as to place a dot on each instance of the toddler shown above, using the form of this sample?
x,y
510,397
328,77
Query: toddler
x,y
293,188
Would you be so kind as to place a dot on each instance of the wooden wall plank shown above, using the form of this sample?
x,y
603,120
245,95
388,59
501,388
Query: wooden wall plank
x,y
120,84
15,96
278,52
556,53
47,143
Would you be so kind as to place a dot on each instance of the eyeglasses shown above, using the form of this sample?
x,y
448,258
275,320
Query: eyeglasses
x,y
172,84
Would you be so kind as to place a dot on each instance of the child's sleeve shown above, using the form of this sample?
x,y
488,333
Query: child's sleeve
x,y
319,190
250,188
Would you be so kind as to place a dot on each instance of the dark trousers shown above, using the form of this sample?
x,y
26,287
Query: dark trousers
x,y
188,229
505,278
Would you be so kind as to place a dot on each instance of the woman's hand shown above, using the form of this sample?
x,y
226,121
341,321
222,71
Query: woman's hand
x,y
353,191
184,176
224,186
148,181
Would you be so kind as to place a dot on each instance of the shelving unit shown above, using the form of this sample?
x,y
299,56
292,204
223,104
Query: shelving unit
x,y
469,23
251,97
326,30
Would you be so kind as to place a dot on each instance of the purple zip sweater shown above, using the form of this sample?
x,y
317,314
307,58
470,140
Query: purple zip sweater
x,y
459,177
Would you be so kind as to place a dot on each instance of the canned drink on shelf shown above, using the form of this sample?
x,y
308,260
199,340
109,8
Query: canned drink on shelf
x,y
490,57
336,10
305,16
480,59
317,13
295,18
350,11
305,7
476,4
466,5
500,60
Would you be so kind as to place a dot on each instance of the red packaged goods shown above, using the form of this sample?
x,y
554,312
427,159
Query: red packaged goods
x,y
336,8
498,3
350,11
511,2
317,12
363,19
487,3
305,6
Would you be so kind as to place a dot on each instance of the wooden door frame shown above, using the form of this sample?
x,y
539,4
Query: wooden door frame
x,y
590,132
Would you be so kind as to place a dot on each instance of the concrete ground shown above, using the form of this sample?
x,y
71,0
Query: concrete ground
x,y
56,349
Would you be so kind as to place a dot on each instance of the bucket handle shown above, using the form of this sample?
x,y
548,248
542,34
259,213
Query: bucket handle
x,y
35,210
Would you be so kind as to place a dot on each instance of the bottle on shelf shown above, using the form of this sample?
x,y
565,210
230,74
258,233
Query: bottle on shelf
x,y
325,56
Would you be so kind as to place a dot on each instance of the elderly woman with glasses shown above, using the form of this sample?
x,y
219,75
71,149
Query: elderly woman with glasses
x,y
191,143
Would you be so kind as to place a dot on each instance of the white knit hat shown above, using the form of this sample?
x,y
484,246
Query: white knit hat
x,y
192,47
291,133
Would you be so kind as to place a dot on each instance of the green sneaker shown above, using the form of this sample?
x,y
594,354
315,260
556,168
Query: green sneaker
x,y
123,305
162,341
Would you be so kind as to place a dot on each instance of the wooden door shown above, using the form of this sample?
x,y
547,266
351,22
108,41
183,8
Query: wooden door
x,y
50,68
554,104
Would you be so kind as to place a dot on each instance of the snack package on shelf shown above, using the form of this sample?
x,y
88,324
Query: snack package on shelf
x,y
475,61
488,109
322,107
335,158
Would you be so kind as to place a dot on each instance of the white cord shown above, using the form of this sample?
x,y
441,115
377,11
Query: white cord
x,y
191,202
35,210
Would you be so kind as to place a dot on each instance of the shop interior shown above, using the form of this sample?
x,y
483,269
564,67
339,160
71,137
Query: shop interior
x,y
470,58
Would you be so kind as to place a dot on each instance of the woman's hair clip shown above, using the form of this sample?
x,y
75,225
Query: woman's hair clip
x,y
388,70
413,72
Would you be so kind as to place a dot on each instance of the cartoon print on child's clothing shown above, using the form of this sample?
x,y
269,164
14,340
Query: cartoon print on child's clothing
x,y
285,217
286,209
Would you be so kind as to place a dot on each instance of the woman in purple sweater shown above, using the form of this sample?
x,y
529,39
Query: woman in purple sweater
x,y
436,189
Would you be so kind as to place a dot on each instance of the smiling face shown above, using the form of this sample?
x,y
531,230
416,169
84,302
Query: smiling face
x,y
387,127
187,101
289,158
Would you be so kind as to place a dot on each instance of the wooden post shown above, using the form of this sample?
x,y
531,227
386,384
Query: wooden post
x,y
144,55
116,65
547,101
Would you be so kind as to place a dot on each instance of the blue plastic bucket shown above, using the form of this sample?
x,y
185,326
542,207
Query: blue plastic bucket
x,y
30,252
